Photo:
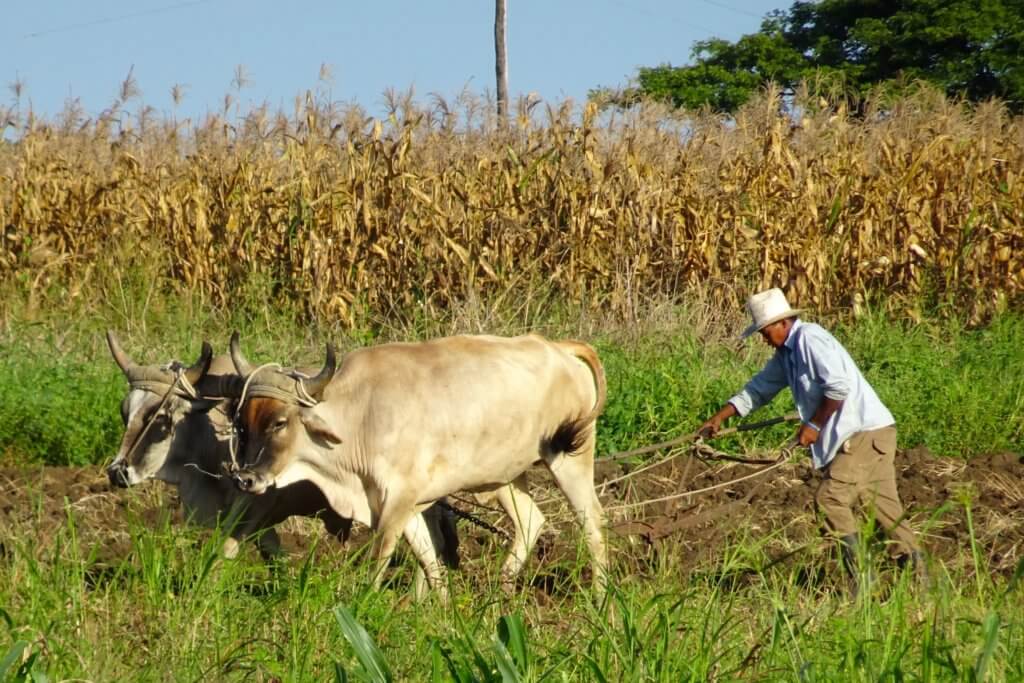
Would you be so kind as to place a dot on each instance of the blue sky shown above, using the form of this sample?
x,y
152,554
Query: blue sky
x,y
559,49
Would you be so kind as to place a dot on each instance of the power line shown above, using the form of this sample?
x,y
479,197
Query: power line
x,y
112,20
732,9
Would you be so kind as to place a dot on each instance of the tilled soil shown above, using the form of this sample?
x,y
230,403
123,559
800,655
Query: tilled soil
x,y
775,509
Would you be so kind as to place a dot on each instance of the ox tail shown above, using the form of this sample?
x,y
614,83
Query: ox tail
x,y
586,353
571,435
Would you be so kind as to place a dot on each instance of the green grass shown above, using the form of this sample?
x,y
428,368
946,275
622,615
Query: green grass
x,y
45,413
957,392
170,610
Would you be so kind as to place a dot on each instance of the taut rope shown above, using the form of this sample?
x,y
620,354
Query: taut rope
x,y
622,455
782,460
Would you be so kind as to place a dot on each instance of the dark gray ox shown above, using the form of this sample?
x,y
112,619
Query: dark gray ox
x,y
178,425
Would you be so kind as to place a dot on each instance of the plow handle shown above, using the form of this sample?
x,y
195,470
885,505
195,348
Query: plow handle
x,y
788,417
750,426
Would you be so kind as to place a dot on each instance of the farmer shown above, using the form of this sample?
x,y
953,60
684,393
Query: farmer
x,y
850,433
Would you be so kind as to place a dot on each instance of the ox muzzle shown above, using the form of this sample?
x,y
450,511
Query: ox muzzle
x,y
251,482
118,475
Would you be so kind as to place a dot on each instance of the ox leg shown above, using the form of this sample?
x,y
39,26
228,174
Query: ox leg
x,y
419,583
265,537
233,542
430,573
269,544
338,527
575,477
398,518
237,526
389,526
527,519
443,533
383,548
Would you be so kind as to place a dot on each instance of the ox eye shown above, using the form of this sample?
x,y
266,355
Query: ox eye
x,y
161,421
279,425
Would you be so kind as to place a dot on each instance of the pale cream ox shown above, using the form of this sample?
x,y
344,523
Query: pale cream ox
x,y
178,426
402,425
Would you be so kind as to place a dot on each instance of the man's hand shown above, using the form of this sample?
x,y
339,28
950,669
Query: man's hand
x,y
809,430
711,428
807,435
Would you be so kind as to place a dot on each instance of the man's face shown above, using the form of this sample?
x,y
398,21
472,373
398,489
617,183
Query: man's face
x,y
774,335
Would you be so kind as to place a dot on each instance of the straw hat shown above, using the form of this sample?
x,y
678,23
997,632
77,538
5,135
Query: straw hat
x,y
766,308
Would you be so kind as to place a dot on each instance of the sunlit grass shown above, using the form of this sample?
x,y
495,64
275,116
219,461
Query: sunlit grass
x,y
169,608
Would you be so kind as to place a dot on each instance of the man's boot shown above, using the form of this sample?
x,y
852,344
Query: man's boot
x,y
918,563
849,545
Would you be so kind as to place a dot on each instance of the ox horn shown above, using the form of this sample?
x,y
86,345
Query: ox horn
x,y
316,385
128,367
242,366
201,366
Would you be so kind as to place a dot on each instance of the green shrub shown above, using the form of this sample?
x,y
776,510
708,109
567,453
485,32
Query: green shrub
x,y
58,411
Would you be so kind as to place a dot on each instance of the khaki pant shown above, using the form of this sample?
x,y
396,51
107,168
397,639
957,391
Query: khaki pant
x,y
863,472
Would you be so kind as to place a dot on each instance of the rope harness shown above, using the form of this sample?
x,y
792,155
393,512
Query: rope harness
x,y
300,396
154,386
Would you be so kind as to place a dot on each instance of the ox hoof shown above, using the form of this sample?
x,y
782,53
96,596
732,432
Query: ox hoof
x,y
230,549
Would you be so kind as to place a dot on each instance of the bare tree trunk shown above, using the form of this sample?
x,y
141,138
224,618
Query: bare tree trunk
x,y
501,60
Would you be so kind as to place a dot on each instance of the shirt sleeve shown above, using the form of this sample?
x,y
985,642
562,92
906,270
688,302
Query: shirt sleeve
x,y
761,389
827,366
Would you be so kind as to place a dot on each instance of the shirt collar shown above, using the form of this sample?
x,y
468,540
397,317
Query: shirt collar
x,y
790,342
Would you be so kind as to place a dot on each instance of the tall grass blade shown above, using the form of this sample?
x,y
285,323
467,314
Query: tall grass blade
x,y
13,655
595,670
512,634
991,633
460,672
505,664
375,667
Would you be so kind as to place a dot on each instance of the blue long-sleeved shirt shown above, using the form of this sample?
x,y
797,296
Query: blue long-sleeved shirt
x,y
815,365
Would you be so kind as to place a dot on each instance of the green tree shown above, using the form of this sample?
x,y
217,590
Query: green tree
x,y
970,48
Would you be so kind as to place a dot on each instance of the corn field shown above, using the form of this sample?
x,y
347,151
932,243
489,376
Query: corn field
x,y
337,213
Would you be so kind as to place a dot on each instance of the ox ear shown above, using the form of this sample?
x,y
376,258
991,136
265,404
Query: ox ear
x,y
318,427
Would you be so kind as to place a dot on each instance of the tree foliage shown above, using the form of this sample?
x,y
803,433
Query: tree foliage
x,y
969,48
